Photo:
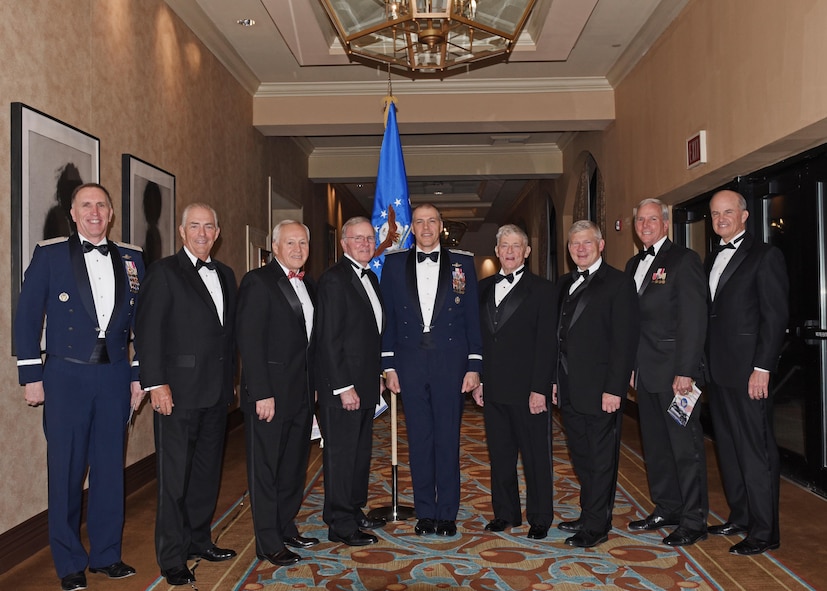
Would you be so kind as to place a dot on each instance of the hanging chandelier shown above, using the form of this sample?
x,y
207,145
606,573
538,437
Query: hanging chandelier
x,y
428,36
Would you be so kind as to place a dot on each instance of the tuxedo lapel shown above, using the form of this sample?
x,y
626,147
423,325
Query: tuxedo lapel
x,y
740,255
194,279
82,277
443,282
586,296
120,277
283,284
660,259
410,284
514,298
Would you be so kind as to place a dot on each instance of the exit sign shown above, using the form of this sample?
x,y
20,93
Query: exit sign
x,y
696,150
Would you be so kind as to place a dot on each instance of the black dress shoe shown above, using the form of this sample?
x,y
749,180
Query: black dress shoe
x,y
180,575
370,522
446,527
652,522
283,557
684,536
425,526
538,532
726,529
300,542
586,539
73,581
357,538
497,525
117,570
750,546
214,554
572,526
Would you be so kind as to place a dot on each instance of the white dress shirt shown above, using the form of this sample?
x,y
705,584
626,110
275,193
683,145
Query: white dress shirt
x,y
427,280
643,266
212,282
504,287
102,281
304,297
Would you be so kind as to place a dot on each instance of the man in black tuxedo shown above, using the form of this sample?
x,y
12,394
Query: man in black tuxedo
x,y
518,316
748,314
275,340
432,354
672,295
86,287
597,339
349,320
184,335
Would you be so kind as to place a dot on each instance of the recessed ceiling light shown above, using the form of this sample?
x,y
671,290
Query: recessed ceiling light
x,y
246,22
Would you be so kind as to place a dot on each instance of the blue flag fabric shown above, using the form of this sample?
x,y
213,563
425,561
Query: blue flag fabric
x,y
391,204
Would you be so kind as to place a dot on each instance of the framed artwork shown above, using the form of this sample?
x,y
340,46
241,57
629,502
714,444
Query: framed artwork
x,y
148,208
49,159
258,248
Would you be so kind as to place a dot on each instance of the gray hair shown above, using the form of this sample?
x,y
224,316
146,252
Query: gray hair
x,y
511,229
664,209
583,225
281,224
191,206
359,219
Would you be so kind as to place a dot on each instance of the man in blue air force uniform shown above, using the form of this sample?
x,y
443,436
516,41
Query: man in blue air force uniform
x,y
87,288
432,354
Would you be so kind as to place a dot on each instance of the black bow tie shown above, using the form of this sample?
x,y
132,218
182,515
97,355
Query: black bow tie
x,y
101,248
199,263
577,274
646,251
728,246
421,256
362,270
510,277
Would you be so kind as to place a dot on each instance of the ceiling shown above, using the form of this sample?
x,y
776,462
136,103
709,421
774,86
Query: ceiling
x,y
505,124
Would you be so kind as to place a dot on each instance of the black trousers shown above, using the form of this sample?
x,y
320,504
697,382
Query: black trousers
x,y
675,461
511,431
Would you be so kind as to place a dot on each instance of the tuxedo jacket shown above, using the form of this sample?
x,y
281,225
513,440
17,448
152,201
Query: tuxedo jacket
x,y
348,341
179,336
276,356
57,284
455,325
748,317
672,300
602,338
518,340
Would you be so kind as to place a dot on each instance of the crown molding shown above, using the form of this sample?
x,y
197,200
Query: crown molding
x,y
440,87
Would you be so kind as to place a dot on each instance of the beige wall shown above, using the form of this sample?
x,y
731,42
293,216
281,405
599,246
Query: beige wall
x,y
130,73
752,73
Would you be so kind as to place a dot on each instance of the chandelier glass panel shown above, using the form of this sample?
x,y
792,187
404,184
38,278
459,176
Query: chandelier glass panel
x,y
428,36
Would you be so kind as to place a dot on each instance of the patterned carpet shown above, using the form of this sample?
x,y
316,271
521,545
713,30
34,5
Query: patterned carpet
x,y
478,560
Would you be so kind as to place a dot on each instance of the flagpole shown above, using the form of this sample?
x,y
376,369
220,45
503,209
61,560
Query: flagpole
x,y
395,512
391,187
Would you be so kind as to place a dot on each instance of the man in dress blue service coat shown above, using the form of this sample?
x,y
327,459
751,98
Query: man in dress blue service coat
x,y
184,334
87,287
432,354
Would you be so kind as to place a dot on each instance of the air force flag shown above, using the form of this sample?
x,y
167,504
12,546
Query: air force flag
x,y
391,205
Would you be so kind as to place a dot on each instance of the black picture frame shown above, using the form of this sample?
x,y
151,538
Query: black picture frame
x,y
148,192
49,158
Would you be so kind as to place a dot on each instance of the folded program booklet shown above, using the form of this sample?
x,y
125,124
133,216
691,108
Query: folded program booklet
x,y
681,406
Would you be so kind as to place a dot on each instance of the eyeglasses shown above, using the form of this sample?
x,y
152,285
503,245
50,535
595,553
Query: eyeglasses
x,y
360,239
